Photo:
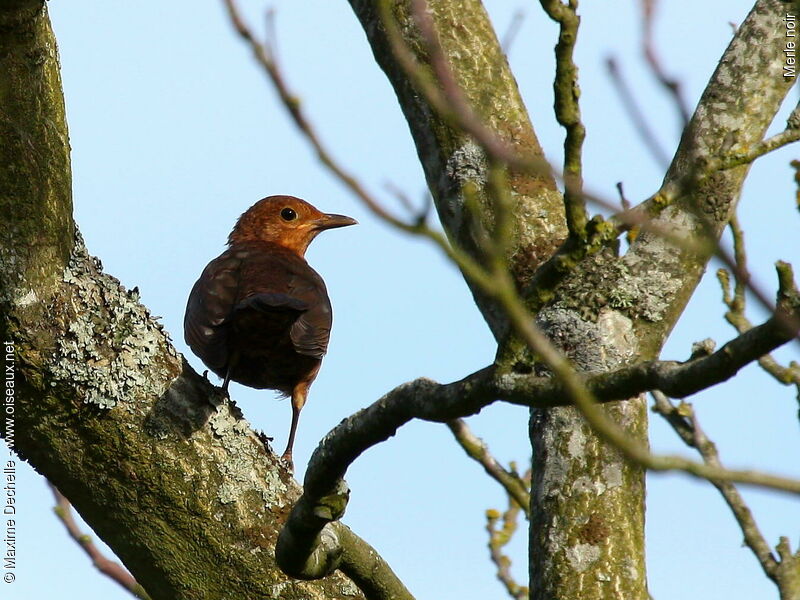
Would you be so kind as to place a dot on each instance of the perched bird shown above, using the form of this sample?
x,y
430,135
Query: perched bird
x,y
259,315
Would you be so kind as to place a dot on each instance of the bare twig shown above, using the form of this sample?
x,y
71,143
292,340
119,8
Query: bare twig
x,y
631,233
684,421
512,30
443,92
735,159
476,448
640,124
500,534
672,85
568,113
111,569
795,164
736,304
265,56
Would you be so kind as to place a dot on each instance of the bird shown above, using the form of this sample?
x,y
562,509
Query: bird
x,y
259,315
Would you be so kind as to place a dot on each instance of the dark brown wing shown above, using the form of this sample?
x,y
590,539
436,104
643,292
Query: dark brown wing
x,y
311,332
253,285
281,273
208,309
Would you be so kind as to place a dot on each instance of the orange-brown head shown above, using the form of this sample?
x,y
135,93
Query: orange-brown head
x,y
284,220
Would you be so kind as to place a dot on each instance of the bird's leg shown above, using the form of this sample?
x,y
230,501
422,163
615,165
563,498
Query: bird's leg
x,y
229,372
298,400
227,379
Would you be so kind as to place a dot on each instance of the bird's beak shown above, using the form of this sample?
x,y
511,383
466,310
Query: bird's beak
x,y
333,221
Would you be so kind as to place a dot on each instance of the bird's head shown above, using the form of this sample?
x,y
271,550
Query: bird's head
x,y
286,221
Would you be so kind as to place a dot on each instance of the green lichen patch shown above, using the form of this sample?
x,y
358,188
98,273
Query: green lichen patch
x,y
111,345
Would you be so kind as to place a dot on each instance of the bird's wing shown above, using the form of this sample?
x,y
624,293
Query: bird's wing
x,y
267,302
243,285
311,332
278,280
209,308
312,329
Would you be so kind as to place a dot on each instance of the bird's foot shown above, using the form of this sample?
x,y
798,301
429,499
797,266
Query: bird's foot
x,y
287,458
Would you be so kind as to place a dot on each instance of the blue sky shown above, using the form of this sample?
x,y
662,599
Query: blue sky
x,y
175,132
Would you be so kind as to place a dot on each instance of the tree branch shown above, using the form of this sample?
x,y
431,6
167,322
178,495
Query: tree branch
x,y
498,538
568,112
746,156
670,84
638,119
111,569
736,304
477,450
684,421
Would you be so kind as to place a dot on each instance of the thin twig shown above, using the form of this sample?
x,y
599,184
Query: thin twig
x,y
672,85
477,449
684,421
264,55
795,164
736,304
500,534
640,124
736,159
444,94
111,569
512,30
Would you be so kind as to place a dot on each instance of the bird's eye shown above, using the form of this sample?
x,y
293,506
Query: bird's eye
x,y
287,214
